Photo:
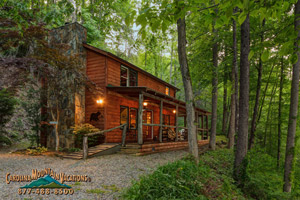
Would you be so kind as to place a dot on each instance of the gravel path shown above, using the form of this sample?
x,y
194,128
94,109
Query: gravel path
x,y
109,174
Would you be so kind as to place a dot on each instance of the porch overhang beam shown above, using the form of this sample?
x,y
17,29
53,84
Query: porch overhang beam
x,y
161,99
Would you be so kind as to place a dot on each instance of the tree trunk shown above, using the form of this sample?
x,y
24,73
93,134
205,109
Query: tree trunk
x,y
236,83
171,65
187,84
212,141
242,139
265,92
279,113
155,66
258,87
224,123
290,143
269,110
232,128
145,59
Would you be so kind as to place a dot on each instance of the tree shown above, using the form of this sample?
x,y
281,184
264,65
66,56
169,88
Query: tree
x,y
290,143
232,122
7,104
212,141
242,137
187,83
258,87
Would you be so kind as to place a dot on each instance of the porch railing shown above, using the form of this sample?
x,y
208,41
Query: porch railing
x,y
85,146
202,130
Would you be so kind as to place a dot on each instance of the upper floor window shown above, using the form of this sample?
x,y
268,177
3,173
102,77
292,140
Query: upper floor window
x,y
128,76
167,92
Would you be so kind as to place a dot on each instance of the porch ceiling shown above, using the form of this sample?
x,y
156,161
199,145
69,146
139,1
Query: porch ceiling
x,y
154,96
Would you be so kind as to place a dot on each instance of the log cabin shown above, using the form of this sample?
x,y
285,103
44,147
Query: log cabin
x,y
130,95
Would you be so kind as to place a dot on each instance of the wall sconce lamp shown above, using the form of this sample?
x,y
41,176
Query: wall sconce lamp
x,y
99,101
145,103
174,111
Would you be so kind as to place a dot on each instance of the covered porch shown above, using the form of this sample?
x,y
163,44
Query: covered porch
x,y
169,124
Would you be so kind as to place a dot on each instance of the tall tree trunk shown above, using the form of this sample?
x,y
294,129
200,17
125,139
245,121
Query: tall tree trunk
x,y
171,65
279,113
212,141
224,123
263,98
258,87
269,110
242,138
188,90
234,91
236,71
155,66
161,65
145,59
290,143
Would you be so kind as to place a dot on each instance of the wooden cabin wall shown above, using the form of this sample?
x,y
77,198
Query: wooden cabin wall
x,y
144,80
96,72
110,110
113,78
113,117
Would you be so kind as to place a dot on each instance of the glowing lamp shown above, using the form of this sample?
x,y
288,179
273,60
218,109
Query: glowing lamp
x,y
174,111
145,103
99,101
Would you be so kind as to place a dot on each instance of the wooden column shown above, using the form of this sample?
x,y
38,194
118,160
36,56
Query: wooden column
x,y
176,121
85,147
160,120
197,125
207,126
140,119
202,126
124,135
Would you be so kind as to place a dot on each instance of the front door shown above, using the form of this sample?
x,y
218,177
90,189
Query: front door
x,y
148,119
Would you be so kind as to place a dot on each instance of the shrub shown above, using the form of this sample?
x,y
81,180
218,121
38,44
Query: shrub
x,y
7,104
80,130
265,181
37,151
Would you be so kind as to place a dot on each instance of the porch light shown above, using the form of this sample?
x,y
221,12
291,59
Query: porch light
x,y
174,111
145,103
99,101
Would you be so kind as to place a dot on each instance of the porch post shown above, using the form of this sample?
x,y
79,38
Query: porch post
x,y
202,126
207,131
140,119
176,121
197,121
160,120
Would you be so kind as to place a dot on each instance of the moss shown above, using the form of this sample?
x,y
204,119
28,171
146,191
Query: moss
x,y
96,191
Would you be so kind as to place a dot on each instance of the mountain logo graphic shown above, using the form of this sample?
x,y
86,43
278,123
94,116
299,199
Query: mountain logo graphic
x,y
46,182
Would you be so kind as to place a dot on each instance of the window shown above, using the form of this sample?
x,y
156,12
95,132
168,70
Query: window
x,y
133,78
133,118
123,115
167,92
128,77
124,76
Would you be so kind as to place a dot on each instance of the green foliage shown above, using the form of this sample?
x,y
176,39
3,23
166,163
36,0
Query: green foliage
x,y
7,103
37,151
84,129
183,179
264,181
212,179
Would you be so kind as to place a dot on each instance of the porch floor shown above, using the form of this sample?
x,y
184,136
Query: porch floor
x,y
102,149
156,147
